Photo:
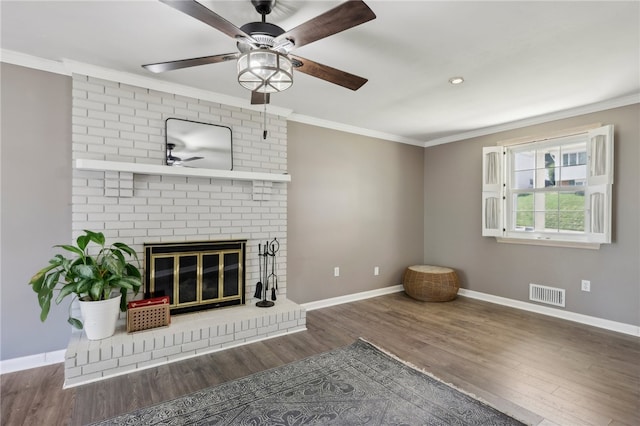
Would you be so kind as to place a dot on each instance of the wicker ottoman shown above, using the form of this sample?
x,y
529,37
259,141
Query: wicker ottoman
x,y
431,283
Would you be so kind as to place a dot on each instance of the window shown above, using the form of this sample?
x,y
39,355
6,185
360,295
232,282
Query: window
x,y
574,158
555,189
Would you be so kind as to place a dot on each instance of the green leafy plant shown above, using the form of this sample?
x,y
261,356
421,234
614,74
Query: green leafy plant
x,y
88,277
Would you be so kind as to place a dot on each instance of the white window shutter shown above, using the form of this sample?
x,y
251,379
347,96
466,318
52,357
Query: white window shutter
x,y
598,214
599,181
600,156
492,188
491,214
492,166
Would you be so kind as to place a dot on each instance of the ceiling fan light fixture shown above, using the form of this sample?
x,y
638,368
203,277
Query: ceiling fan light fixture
x,y
265,71
456,80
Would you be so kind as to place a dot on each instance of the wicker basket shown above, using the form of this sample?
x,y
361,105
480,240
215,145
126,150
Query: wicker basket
x,y
431,283
148,313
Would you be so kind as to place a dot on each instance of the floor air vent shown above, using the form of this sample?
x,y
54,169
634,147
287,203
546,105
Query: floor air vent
x,y
548,295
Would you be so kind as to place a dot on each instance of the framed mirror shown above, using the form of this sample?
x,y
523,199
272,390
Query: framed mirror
x,y
198,145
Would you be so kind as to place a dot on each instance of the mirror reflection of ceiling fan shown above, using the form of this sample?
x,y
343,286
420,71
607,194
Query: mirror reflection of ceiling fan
x,y
172,160
265,64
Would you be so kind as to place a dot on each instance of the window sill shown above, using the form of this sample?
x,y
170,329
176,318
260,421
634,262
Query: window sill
x,y
550,243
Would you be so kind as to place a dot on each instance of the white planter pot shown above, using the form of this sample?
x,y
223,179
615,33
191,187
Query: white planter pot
x,y
99,318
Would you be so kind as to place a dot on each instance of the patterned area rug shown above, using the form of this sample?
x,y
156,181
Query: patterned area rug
x,y
354,385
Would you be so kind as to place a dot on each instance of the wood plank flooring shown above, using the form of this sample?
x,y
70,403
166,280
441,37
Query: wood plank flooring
x,y
538,368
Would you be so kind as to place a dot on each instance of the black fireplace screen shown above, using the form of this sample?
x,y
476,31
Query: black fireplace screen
x,y
196,276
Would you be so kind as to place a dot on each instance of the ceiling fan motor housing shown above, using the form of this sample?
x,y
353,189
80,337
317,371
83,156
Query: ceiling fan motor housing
x,y
262,32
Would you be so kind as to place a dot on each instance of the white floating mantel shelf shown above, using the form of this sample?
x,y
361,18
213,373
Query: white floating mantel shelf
x,y
152,169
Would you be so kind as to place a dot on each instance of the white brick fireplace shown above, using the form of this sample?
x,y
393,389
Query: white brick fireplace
x,y
122,188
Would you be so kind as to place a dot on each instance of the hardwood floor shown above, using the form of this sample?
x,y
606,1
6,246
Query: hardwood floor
x,y
538,368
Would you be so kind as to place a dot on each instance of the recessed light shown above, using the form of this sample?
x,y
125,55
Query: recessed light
x,y
456,80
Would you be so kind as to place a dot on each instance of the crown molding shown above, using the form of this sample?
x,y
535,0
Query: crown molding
x,y
69,67
352,129
540,119
164,86
28,61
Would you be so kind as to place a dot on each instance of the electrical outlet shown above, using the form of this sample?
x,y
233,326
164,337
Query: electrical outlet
x,y
336,271
586,285
376,271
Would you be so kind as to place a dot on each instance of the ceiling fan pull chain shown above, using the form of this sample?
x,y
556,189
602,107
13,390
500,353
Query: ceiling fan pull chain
x,y
264,116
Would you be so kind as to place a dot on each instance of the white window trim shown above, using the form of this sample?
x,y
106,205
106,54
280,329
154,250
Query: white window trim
x,y
600,186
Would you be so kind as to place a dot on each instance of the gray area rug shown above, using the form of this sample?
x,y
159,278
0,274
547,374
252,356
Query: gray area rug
x,y
355,385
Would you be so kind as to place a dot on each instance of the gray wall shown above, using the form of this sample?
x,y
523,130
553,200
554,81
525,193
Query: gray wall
x,y
453,227
36,203
354,202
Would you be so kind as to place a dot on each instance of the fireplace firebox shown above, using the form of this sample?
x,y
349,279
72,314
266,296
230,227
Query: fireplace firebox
x,y
196,275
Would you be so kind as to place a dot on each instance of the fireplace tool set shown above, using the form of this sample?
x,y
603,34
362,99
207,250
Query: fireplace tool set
x,y
267,280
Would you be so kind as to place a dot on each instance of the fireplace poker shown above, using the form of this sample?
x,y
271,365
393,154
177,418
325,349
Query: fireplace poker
x,y
264,303
258,293
274,247
266,268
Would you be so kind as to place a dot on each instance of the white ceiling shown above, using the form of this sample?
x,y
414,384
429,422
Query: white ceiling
x,y
519,59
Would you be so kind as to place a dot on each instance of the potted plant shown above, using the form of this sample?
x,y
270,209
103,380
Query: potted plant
x,y
101,280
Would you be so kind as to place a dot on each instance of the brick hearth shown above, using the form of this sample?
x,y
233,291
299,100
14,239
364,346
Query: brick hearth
x,y
187,336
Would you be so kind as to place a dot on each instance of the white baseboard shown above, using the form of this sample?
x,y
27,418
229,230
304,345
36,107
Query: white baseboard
x,y
525,306
31,361
325,303
40,360
620,327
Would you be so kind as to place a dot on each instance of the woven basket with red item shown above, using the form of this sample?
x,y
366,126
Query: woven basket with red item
x,y
148,313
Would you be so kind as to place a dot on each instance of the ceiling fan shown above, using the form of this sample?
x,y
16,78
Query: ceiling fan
x,y
265,64
172,160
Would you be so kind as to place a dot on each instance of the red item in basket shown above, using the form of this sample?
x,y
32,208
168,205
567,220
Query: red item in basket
x,y
149,302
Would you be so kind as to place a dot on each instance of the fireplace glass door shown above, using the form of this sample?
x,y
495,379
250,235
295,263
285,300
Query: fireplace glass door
x,y
196,276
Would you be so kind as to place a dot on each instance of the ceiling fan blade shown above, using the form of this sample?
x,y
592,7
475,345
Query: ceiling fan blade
x,y
324,72
209,17
258,98
340,18
186,63
192,159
